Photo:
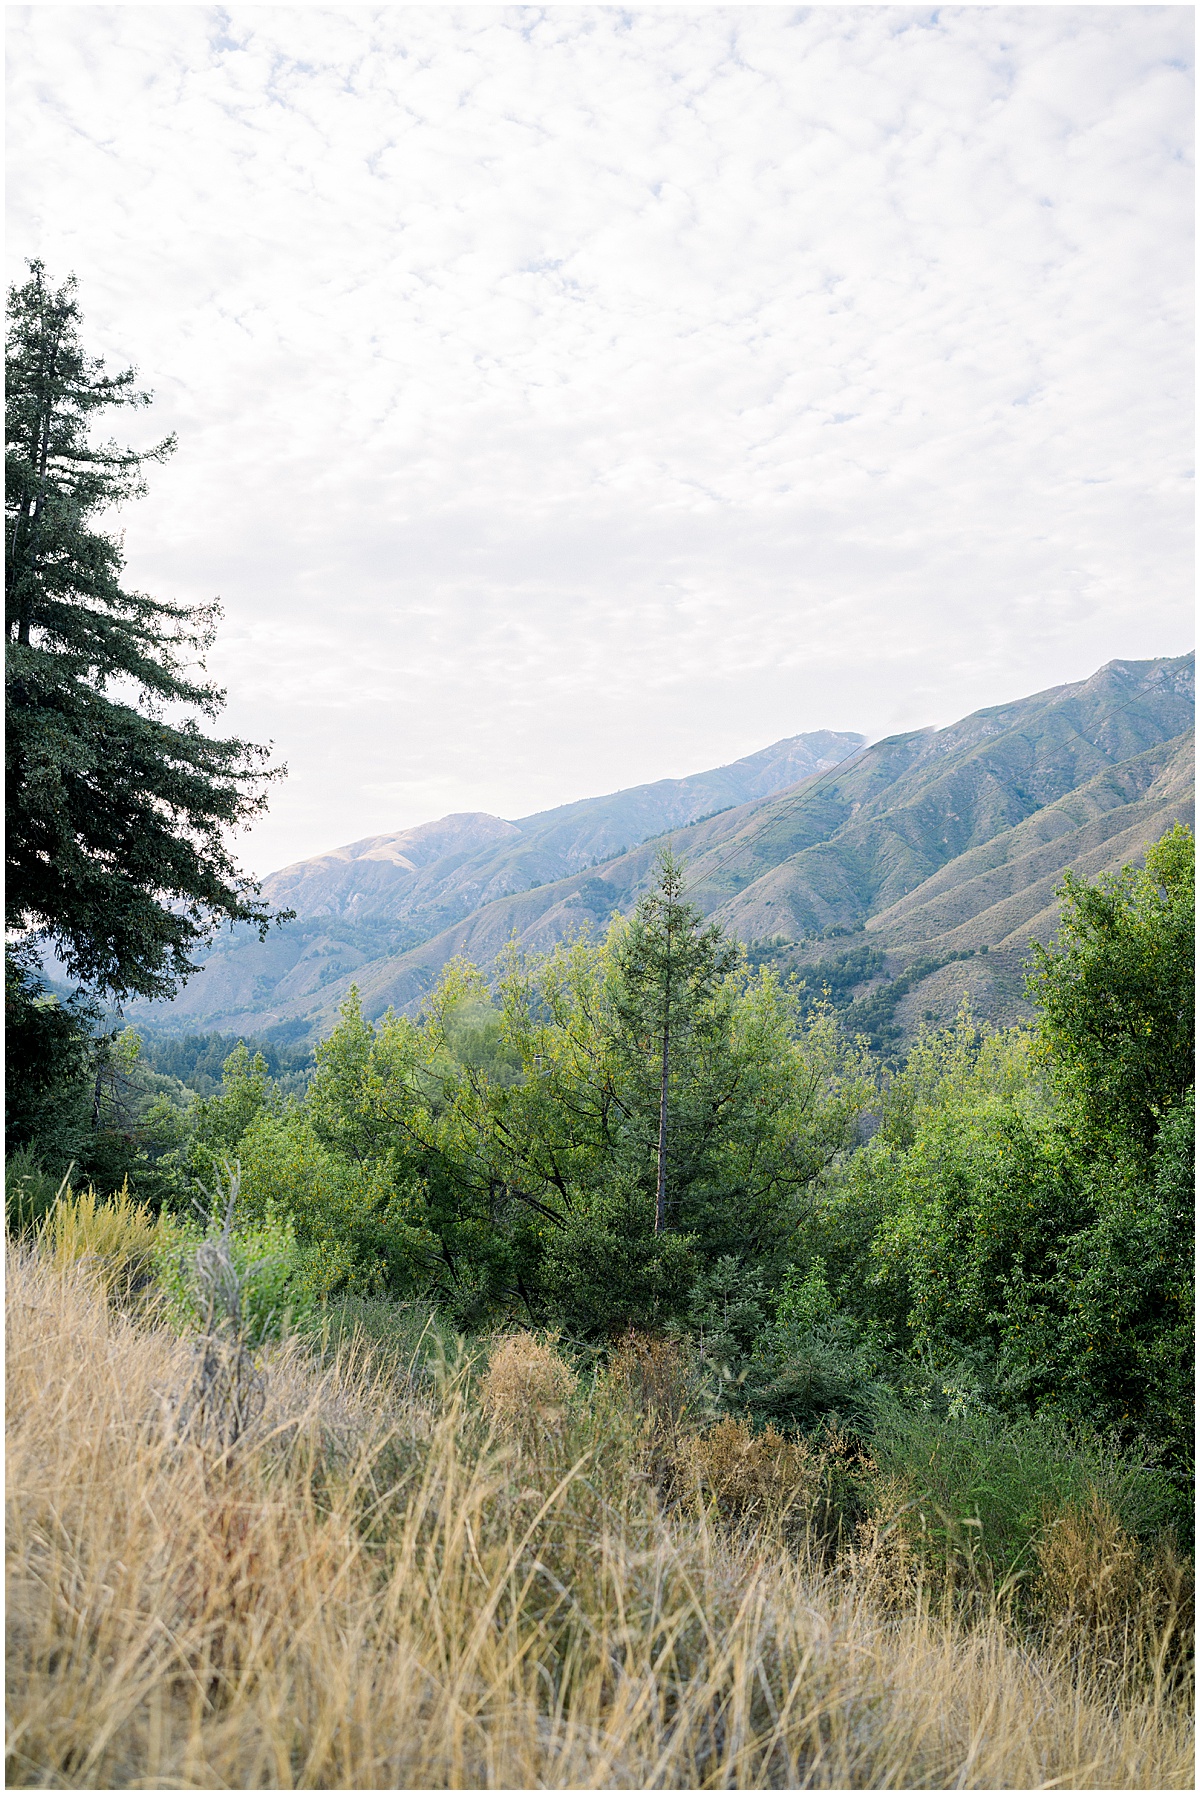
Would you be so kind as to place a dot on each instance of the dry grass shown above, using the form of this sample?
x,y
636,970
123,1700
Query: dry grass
x,y
648,1398
377,1591
527,1385
1098,1586
754,1478
112,1236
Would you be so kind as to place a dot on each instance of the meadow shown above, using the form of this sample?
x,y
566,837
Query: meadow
x,y
380,1556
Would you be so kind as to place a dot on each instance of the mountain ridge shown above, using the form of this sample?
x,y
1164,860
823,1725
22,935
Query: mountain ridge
x,y
454,863
372,898
902,839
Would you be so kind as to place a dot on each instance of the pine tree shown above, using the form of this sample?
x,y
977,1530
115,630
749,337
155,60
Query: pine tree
x,y
117,815
669,967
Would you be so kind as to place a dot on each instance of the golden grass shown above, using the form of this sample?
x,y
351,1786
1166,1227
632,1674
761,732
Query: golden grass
x,y
754,1478
112,1236
527,1384
376,1591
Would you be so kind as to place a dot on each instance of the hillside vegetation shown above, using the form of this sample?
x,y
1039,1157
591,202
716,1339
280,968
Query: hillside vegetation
x,y
421,1570
626,1372
934,843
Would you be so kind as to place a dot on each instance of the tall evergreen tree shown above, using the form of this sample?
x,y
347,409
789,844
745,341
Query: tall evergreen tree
x,y
118,807
669,967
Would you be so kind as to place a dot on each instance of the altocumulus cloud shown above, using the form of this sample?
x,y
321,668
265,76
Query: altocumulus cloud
x,y
569,397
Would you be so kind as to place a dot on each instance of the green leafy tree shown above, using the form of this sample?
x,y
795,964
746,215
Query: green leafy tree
x,y
1117,995
409,1105
520,1130
117,815
755,1102
1045,1234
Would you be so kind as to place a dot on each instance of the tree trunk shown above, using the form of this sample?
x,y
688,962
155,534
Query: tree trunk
x,y
660,1207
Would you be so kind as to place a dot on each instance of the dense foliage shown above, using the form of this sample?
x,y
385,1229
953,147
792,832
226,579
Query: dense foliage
x,y
116,816
999,1228
198,1061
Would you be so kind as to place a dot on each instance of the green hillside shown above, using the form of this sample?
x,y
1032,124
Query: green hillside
x,y
1001,891
861,840
936,843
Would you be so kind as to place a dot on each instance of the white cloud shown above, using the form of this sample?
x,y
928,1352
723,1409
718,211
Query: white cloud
x,y
569,397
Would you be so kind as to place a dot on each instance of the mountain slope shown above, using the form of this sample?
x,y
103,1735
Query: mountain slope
x,y
932,843
861,839
848,846
1002,890
360,905
441,871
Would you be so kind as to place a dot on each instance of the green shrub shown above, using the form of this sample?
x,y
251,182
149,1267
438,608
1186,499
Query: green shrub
x,y
605,1271
362,1236
1004,1480
276,1293
398,1337
30,1191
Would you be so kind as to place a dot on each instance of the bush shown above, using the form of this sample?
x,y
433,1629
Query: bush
x,y
527,1386
30,1191
1095,1579
731,1306
365,1237
803,1382
659,1382
809,1363
605,1271
754,1477
81,1225
980,1487
275,1292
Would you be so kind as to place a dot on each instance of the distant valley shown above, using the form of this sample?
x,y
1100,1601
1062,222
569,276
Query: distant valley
x,y
937,851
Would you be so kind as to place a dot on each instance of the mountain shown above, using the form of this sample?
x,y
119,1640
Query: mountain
x,y
1002,892
856,842
438,872
930,849
364,903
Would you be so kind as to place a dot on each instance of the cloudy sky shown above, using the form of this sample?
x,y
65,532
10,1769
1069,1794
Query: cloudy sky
x,y
574,396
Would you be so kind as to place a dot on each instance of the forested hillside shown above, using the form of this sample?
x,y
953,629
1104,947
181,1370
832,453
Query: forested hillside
x,y
935,844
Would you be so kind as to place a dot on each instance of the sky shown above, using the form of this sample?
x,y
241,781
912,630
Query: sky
x,y
569,397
